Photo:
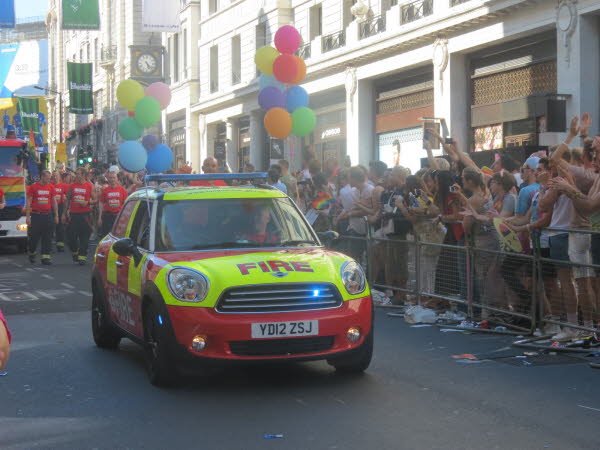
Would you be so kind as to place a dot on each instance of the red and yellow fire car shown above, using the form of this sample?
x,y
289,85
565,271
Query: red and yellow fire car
x,y
207,275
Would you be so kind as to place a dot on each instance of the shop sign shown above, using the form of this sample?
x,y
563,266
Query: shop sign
x,y
330,133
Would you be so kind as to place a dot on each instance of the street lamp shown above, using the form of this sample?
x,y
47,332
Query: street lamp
x,y
60,106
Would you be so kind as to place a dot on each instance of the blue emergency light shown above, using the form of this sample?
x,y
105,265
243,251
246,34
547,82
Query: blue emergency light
x,y
207,177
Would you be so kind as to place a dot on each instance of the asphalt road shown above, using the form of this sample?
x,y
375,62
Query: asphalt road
x,y
60,391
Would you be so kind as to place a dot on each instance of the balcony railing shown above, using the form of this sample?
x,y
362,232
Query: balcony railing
x,y
108,53
372,27
304,51
333,41
457,2
415,11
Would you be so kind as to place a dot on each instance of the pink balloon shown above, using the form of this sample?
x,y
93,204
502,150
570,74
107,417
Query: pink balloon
x,y
287,39
161,92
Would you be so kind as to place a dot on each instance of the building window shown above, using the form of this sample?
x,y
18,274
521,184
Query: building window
x,y
176,58
213,6
316,21
96,56
185,59
260,38
214,68
236,60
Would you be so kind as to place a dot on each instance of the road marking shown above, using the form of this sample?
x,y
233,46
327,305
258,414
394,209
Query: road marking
x,y
50,277
45,294
17,265
67,285
29,269
589,407
4,297
86,293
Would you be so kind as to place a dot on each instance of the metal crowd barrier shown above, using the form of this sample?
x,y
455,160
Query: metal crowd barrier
x,y
520,291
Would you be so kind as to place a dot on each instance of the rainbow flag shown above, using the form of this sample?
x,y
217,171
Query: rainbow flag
x,y
487,171
323,201
14,190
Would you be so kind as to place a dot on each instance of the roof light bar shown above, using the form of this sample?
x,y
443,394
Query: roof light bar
x,y
207,177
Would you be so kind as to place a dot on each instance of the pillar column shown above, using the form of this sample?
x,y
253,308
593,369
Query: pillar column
x,y
192,136
232,144
578,63
360,119
257,144
451,93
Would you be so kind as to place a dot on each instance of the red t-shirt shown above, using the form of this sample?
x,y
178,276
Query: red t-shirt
x,y
80,194
3,320
41,197
113,199
1,195
208,183
60,192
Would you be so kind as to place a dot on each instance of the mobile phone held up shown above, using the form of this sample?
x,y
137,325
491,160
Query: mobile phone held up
x,y
453,189
448,141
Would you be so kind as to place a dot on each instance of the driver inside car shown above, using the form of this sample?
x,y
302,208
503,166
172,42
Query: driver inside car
x,y
259,230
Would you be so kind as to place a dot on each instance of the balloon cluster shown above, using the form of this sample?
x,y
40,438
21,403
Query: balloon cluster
x,y
286,103
144,110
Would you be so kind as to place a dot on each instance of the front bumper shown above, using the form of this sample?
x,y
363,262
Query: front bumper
x,y
9,229
221,329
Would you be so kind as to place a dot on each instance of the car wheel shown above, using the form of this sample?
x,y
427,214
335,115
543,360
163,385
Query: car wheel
x,y
105,334
159,366
358,361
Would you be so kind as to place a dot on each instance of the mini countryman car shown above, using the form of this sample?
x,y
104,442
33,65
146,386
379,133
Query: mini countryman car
x,y
201,276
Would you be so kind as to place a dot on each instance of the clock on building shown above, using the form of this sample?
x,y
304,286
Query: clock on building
x,y
146,63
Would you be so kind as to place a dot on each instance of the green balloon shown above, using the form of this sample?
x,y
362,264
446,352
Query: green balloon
x,y
130,130
303,121
147,112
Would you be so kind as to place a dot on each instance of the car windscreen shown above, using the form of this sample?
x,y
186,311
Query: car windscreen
x,y
185,225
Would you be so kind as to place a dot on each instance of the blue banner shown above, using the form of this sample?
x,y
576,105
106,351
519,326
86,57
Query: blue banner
x,y
7,13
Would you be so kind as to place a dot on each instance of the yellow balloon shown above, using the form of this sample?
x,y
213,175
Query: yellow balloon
x,y
129,92
264,59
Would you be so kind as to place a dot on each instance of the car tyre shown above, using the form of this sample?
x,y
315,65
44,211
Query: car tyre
x,y
159,366
104,332
356,362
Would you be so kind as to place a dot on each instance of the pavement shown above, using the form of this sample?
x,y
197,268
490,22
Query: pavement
x,y
61,392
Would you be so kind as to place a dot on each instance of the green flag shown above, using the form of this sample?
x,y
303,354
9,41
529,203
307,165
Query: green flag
x,y
80,88
80,15
29,109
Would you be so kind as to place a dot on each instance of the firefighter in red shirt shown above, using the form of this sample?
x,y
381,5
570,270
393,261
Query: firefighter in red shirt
x,y
112,200
40,211
80,197
61,189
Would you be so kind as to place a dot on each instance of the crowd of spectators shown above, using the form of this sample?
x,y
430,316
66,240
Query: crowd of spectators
x,y
455,202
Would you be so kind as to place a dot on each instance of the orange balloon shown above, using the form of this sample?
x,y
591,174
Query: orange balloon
x,y
278,123
301,74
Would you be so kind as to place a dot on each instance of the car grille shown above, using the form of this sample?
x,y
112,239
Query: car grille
x,y
279,298
279,347
10,213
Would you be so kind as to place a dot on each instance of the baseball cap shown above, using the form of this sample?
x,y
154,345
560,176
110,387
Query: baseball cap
x,y
114,169
532,162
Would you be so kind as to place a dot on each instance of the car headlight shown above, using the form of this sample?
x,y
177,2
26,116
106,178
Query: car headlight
x,y
353,277
187,285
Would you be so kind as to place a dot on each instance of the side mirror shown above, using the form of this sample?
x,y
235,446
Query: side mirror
x,y
126,247
328,236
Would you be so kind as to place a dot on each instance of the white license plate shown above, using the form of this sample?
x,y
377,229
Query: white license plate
x,y
285,329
